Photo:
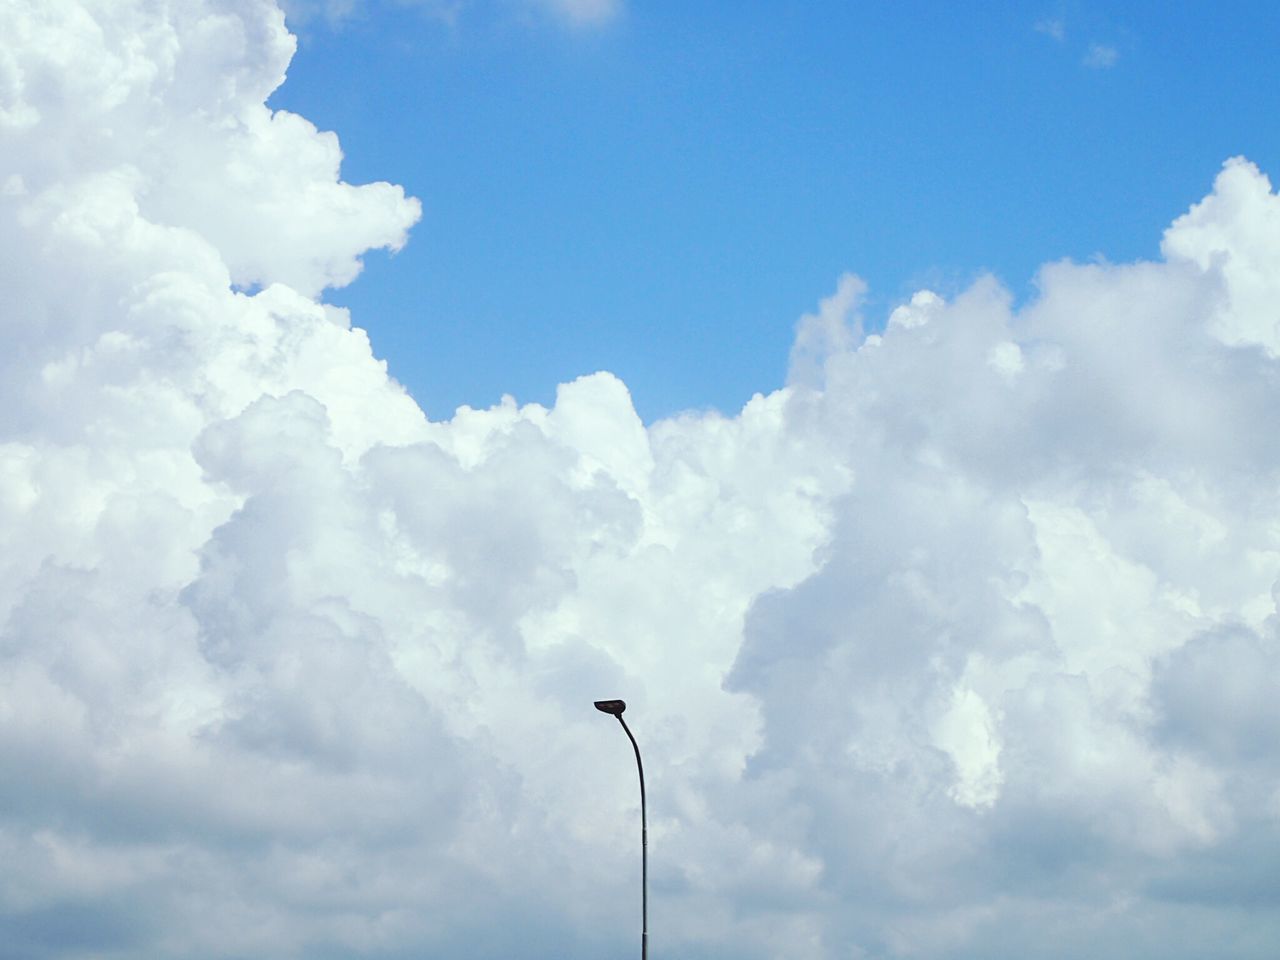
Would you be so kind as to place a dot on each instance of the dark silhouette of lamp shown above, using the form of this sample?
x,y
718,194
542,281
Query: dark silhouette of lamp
x,y
615,708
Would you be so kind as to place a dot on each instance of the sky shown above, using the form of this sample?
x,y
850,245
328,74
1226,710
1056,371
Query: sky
x,y
890,425
665,181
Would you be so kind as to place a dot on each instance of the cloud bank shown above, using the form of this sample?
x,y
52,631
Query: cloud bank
x,y
962,644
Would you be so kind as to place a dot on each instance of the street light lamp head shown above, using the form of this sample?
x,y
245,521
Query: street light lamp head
x,y
614,707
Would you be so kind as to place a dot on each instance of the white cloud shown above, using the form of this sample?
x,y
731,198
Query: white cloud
x,y
1099,56
966,636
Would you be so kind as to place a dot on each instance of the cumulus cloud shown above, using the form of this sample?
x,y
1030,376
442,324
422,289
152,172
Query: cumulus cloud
x,y
962,644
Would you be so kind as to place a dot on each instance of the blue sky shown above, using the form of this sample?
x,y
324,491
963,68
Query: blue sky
x,y
663,193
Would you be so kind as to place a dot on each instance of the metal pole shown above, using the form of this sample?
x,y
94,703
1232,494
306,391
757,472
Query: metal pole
x,y
644,850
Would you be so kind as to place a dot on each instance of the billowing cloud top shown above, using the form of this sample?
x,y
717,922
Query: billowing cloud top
x,y
963,644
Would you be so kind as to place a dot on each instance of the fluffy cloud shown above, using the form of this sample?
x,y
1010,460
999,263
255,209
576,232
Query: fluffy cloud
x,y
962,644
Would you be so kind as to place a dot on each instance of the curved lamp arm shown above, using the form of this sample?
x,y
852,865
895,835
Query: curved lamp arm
x,y
615,708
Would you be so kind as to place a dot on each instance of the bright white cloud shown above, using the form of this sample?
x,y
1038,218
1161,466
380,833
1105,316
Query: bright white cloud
x,y
963,644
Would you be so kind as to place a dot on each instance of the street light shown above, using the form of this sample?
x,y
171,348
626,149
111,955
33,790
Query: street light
x,y
615,708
